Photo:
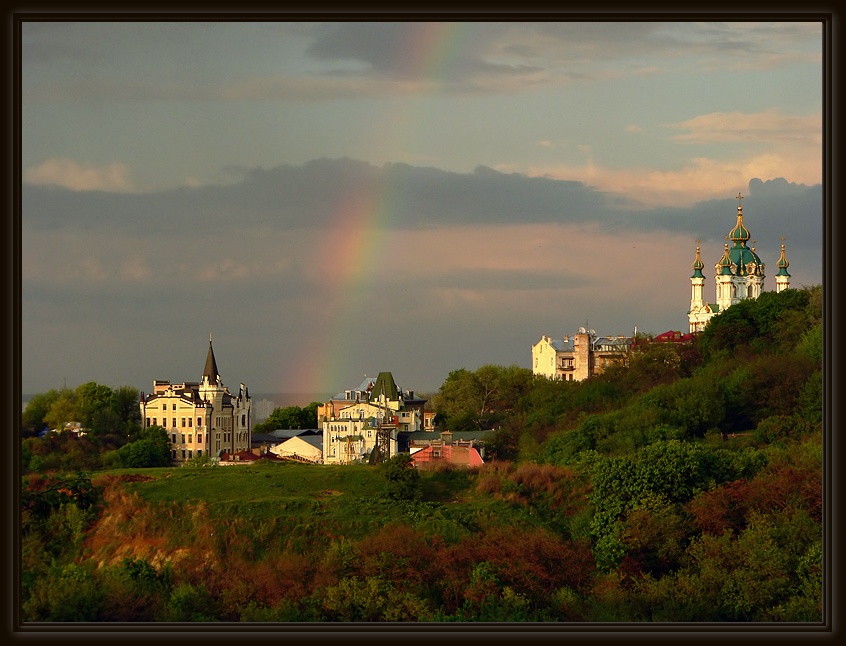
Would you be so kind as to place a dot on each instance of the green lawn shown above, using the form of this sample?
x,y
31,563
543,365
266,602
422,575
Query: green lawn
x,y
306,500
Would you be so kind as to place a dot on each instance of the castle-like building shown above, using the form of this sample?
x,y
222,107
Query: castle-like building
x,y
739,275
201,418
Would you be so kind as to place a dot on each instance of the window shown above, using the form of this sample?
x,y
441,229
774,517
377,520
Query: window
x,y
190,439
183,422
199,421
173,438
199,438
174,422
190,421
155,422
174,407
173,454
199,452
183,438
183,454
189,454
148,421
243,420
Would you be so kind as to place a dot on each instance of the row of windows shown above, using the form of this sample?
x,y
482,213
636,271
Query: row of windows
x,y
227,421
190,421
334,438
227,437
190,438
342,427
186,454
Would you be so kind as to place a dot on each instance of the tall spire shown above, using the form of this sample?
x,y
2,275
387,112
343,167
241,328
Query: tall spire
x,y
210,371
697,264
740,234
782,261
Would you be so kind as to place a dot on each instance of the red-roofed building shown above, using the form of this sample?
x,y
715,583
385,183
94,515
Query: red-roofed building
x,y
440,453
242,457
673,336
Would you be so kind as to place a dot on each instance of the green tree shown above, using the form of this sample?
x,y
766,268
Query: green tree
x,y
481,399
124,403
37,409
758,324
402,478
64,409
152,449
289,417
92,398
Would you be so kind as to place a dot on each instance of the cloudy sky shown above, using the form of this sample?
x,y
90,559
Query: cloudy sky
x,y
332,200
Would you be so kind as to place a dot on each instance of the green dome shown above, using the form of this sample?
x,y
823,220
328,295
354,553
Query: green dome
x,y
740,233
745,261
740,260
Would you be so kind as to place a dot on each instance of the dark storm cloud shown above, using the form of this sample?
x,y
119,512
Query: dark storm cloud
x,y
320,192
314,195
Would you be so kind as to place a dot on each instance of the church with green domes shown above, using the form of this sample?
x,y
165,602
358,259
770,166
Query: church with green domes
x,y
739,274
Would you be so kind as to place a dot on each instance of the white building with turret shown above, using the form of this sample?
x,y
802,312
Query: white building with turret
x,y
370,423
201,418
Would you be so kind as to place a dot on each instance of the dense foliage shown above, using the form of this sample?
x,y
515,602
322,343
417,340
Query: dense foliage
x,y
685,486
289,417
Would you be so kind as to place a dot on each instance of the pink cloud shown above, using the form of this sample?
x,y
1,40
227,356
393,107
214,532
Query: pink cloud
x,y
80,176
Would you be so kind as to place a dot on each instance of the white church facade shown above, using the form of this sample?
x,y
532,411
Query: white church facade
x,y
739,275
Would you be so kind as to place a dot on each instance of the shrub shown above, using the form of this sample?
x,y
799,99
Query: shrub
x,y
402,479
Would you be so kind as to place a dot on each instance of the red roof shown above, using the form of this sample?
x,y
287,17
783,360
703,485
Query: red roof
x,y
673,336
462,455
242,456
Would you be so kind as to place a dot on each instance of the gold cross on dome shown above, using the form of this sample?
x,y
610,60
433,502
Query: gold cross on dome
x,y
739,197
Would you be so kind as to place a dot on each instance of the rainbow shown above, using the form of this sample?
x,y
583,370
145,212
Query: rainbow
x,y
359,226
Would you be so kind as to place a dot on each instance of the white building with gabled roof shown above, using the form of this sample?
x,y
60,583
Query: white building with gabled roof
x,y
364,424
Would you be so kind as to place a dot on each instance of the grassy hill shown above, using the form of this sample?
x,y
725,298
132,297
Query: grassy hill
x,y
684,487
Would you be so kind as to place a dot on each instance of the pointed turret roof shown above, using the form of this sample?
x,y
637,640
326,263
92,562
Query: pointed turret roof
x,y
723,267
782,261
697,264
385,385
210,371
740,234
